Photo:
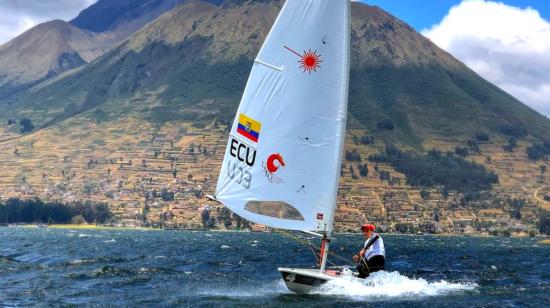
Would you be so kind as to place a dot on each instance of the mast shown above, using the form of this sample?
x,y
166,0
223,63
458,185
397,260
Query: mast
x,y
325,243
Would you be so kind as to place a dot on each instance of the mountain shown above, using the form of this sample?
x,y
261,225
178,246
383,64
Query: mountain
x,y
123,17
177,52
144,127
57,46
403,88
46,50
400,75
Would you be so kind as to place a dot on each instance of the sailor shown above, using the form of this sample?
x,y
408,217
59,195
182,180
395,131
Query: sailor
x,y
372,257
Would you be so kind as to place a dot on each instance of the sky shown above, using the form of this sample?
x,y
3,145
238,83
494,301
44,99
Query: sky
x,y
505,41
17,16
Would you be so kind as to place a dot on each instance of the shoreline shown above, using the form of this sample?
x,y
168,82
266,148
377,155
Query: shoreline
x,y
544,238
78,227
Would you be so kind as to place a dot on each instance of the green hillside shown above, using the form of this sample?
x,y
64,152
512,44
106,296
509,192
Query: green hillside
x,y
403,88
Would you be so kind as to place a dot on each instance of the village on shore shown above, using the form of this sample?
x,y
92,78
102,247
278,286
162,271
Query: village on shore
x,y
159,178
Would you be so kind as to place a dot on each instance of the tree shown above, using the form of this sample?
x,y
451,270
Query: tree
x,y
363,170
385,124
539,151
445,193
514,131
544,222
89,187
353,156
101,213
78,220
241,222
424,194
167,195
437,169
366,140
353,175
34,210
145,212
461,151
516,206
512,144
224,216
482,137
26,125
473,146
384,175
205,217
207,221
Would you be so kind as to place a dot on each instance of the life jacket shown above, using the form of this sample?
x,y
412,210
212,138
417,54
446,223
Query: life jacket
x,y
374,239
370,242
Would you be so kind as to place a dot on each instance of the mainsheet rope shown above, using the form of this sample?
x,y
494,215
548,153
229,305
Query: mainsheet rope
x,y
314,250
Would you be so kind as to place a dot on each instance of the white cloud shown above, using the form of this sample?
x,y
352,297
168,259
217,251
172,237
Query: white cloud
x,y
507,45
17,16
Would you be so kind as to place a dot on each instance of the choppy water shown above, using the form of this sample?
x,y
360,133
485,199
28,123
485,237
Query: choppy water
x,y
166,268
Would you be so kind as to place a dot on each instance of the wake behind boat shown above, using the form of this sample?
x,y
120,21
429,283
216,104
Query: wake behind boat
x,y
283,157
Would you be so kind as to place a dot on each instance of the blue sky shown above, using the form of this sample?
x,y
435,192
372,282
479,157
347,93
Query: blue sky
x,y
507,42
422,14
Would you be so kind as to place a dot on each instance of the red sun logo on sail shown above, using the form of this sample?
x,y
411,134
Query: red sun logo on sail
x,y
272,165
309,61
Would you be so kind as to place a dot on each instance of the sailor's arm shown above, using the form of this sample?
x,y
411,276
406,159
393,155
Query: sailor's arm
x,y
359,255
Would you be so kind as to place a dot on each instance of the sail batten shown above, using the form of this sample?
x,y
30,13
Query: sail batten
x,y
268,65
282,163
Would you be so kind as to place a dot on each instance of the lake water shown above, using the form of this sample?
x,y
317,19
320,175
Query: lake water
x,y
176,268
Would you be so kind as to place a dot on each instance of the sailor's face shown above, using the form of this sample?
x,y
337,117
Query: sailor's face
x,y
367,233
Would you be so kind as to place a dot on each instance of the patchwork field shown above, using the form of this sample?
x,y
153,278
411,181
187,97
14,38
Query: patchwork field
x,y
158,174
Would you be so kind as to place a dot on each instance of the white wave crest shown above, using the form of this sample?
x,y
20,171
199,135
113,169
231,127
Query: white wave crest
x,y
271,288
390,284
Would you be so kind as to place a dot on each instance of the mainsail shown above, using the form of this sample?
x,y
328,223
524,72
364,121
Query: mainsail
x,y
283,158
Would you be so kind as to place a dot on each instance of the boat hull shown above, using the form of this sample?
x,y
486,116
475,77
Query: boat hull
x,y
303,280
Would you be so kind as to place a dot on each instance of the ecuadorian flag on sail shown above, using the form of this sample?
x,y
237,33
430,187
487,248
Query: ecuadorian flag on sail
x,y
249,128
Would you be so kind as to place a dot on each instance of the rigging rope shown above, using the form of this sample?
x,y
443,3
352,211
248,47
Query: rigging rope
x,y
314,250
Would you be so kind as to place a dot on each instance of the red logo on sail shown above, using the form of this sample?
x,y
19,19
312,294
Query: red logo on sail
x,y
272,165
309,61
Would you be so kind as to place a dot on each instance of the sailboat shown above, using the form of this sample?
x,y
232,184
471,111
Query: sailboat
x,y
282,163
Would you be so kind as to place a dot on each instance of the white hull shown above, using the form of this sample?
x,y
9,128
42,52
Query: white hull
x,y
304,280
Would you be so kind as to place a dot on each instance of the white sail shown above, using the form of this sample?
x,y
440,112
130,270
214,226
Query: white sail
x,y
283,158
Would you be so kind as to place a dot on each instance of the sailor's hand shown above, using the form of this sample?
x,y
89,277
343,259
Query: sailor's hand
x,y
362,252
356,259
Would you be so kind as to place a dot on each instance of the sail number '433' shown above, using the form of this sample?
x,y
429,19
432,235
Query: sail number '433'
x,y
242,153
